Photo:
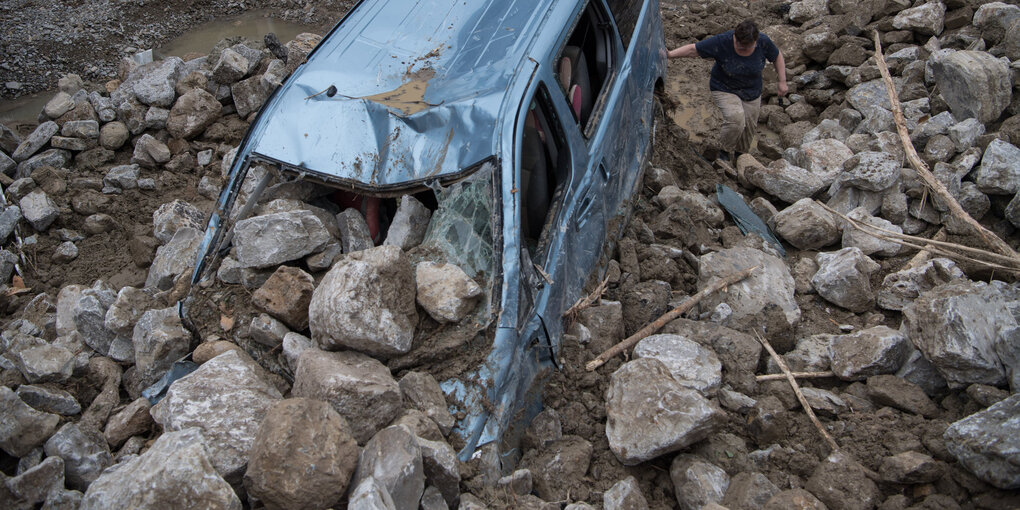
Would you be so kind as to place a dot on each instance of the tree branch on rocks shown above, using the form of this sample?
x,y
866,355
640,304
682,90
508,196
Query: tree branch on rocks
x,y
587,301
796,375
922,256
925,174
657,324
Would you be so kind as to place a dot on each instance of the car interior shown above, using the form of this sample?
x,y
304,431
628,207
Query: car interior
x,y
583,67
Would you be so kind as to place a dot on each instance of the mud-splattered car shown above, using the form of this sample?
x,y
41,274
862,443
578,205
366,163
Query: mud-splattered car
x,y
524,125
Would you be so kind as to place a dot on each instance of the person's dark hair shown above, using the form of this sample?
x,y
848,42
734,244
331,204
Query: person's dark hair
x,y
746,32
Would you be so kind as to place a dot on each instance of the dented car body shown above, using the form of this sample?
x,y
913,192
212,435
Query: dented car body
x,y
529,123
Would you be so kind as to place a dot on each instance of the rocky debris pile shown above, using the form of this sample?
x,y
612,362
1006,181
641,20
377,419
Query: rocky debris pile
x,y
302,395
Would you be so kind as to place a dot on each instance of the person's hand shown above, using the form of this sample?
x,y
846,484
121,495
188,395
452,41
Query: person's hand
x,y
782,89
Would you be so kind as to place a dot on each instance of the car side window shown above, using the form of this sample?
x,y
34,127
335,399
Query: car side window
x,y
626,13
584,66
545,167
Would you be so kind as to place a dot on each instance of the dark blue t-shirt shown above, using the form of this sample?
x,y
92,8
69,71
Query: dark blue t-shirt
x,y
733,73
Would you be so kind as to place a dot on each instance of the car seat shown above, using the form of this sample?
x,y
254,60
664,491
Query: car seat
x,y
534,182
576,81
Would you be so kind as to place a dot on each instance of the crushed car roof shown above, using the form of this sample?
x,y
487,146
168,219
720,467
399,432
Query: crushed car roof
x,y
416,96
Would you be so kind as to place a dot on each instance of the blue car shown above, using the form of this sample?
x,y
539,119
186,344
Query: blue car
x,y
525,125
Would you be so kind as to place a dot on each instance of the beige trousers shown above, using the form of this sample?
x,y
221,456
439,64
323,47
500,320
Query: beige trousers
x,y
740,120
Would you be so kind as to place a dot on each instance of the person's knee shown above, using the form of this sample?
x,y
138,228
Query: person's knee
x,y
735,118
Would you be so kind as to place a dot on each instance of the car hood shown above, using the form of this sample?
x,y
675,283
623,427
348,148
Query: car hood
x,y
381,105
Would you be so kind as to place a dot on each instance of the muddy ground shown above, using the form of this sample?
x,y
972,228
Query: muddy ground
x,y
88,38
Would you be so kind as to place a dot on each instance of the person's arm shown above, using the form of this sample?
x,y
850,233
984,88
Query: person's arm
x,y
685,51
781,74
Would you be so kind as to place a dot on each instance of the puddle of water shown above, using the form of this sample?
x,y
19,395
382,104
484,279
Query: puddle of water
x,y
252,25
201,39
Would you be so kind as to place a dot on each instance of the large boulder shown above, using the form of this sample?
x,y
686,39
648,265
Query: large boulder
x,y
360,388
175,473
227,398
23,428
157,82
988,443
272,239
159,339
691,364
806,225
366,303
650,414
825,158
844,278
192,113
770,287
84,451
973,83
393,458
303,456
445,291
999,173
174,258
957,326
784,180
872,171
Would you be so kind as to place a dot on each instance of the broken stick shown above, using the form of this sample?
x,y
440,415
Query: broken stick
x,y
796,375
667,317
924,173
796,389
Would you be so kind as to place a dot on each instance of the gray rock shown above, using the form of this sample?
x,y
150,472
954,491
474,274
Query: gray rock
x,y
129,306
986,443
49,400
827,128
870,94
921,372
999,173
965,134
956,326
22,428
868,244
365,303
624,495
805,10
925,19
84,451
123,177
155,118
910,468
173,215
9,139
872,171
771,286
360,388
432,499
250,94
32,486
67,300
901,288
876,120
738,352
691,364
825,402
150,152
9,219
293,345
994,19
7,262
45,363
272,239
748,491
88,129
114,135
354,232
407,229
519,482
697,482
89,317
545,429
640,427
7,165
174,258
785,180
873,351
794,498
843,278
423,392
812,354
445,291
701,209
227,398
441,467
973,83
267,331
824,158
324,259
393,458
230,67
71,144
302,457
39,210
889,390
56,158
806,225
159,339
192,113
370,494
176,469
156,86
38,138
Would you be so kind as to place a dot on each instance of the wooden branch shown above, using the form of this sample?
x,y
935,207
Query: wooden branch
x,y
796,389
797,375
588,300
667,317
926,176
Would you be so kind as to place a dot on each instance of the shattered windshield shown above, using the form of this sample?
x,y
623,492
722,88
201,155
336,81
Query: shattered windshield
x,y
461,230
